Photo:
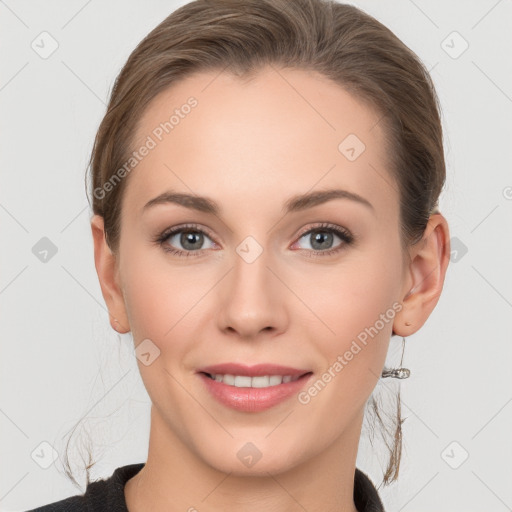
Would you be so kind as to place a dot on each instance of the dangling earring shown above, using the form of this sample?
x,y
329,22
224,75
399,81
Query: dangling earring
x,y
398,373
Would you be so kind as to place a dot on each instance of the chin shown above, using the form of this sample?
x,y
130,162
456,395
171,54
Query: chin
x,y
257,457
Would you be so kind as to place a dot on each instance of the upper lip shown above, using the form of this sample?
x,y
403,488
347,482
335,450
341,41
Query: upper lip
x,y
252,371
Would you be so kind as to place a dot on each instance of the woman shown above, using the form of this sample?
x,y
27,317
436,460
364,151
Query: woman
x,y
265,186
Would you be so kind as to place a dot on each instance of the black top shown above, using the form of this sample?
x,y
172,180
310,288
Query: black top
x,y
108,495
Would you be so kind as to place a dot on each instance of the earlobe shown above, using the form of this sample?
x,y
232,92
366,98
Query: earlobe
x,y
427,270
106,267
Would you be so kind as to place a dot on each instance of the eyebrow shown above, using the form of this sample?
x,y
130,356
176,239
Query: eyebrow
x,y
294,204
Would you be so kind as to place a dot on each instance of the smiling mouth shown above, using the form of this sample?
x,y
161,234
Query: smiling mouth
x,y
260,381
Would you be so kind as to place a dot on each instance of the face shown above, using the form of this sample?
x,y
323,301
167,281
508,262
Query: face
x,y
253,283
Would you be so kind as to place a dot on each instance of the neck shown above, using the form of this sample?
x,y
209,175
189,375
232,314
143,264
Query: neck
x,y
174,478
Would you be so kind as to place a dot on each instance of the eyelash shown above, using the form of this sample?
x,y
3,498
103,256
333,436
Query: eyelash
x,y
342,233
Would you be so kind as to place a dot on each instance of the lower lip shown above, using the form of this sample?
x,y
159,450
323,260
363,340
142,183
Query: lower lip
x,y
253,399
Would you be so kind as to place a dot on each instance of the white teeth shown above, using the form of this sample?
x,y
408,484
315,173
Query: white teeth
x,y
263,381
229,379
275,379
242,381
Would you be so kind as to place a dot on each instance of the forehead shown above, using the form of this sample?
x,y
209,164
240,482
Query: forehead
x,y
280,133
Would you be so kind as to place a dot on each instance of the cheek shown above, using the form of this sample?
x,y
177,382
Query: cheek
x,y
159,300
350,296
353,304
162,306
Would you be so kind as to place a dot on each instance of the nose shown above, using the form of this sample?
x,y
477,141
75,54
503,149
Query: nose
x,y
252,298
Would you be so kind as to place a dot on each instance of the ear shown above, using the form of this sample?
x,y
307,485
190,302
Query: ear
x,y
107,269
424,278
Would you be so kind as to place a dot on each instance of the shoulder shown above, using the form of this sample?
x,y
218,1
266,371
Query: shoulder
x,y
101,495
366,497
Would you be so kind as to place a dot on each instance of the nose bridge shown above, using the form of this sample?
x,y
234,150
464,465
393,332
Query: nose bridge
x,y
251,300
251,277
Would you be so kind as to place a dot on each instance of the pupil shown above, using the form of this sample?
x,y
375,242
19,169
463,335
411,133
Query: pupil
x,y
187,239
319,237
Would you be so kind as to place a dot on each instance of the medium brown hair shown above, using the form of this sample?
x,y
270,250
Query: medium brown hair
x,y
340,41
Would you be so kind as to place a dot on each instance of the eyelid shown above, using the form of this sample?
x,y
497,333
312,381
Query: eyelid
x,y
324,225
345,235
187,226
341,232
304,231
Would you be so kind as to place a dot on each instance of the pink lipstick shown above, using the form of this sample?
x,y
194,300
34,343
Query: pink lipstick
x,y
253,388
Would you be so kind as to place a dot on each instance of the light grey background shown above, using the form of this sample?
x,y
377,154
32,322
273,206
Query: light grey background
x,y
61,360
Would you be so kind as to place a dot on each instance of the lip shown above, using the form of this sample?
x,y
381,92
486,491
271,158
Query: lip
x,y
252,371
253,399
